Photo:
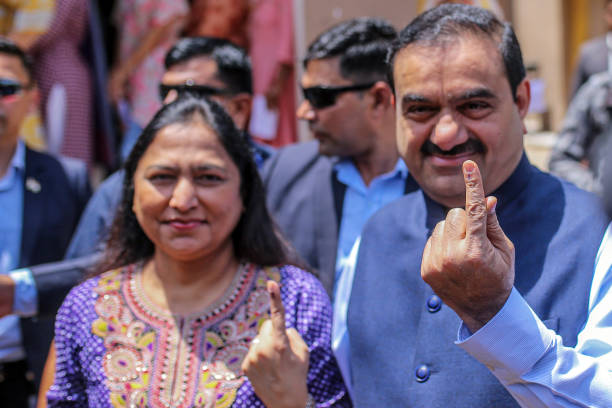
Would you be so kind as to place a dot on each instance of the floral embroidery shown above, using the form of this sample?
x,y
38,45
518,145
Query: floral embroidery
x,y
145,345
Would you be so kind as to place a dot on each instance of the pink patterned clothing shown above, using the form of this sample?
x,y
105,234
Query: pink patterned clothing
x,y
116,348
271,37
134,19
59,61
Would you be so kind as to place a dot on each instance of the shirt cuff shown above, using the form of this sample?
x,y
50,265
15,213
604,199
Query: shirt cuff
x,y
25,301
511,342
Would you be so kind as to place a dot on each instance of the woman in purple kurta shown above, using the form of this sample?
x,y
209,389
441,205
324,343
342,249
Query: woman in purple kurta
x,y
193,196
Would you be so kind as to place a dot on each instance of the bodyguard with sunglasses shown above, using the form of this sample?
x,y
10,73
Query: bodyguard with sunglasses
x,y
322,192
41,198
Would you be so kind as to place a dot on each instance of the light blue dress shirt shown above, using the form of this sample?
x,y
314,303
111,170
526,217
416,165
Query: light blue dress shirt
x,y
528,358
11,216
360,202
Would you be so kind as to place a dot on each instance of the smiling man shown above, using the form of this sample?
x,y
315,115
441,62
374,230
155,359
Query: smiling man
x,y
461,96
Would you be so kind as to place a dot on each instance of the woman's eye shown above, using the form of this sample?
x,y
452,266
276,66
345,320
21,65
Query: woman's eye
x,y
208,178
161,177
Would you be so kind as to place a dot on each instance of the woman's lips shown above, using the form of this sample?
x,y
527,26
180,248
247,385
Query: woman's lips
x,y
184,225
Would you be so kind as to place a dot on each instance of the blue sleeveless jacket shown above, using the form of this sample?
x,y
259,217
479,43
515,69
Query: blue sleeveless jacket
x,y
402,337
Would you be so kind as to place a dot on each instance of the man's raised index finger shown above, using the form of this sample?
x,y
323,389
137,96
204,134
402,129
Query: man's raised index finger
x,y
277,310
475,204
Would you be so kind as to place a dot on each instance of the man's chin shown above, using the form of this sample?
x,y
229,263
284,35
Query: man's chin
x,y
448,190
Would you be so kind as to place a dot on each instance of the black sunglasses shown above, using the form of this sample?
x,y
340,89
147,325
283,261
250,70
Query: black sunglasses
x,y
9,87
321,97
197,90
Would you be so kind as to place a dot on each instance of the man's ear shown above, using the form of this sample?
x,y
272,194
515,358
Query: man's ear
x,y
34,98
239,108
381,98
523,97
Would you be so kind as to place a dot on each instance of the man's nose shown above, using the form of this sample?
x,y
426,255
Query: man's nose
x,y
448,133
306,112
184,195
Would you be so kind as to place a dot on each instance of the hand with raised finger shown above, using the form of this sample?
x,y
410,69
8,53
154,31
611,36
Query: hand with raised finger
x,y
468,260
277,361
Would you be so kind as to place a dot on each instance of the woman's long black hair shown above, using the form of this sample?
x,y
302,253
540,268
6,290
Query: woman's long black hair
x,y
255,238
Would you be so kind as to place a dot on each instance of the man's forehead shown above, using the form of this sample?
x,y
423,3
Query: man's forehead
x,y
325,71
201,70
11,66
460,60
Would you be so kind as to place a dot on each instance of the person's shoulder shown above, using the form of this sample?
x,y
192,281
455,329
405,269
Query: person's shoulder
x,y
81,296
112,185
299,280
295,162
88,290
63,169
41,160
299,155
594,45
595,83
579,203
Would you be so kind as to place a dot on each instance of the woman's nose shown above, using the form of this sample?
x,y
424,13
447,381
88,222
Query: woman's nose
x,y
184,195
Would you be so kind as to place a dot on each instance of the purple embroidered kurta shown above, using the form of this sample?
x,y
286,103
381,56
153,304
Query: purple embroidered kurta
x,y
117,348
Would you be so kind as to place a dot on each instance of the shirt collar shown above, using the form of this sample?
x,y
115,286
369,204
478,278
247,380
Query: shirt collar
x,y
347,171
18,161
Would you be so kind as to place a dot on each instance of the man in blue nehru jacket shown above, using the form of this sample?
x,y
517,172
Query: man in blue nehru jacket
x,y
461,96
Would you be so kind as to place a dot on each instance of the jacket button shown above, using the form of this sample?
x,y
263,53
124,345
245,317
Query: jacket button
x,y
434,303
422,373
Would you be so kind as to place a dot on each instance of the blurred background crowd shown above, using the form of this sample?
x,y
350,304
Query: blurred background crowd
x,y
98,63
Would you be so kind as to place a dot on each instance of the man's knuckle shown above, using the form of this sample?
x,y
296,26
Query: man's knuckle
x,y
476,211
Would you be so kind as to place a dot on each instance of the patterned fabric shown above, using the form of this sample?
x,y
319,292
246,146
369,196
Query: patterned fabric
x,y
25,16
220,18
271,45
59,61
116,348
582,146
135,18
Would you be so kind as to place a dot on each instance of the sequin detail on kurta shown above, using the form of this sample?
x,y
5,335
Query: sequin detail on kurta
x,y
133,348
145,345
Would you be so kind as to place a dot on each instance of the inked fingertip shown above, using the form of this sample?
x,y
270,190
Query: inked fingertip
x,y
270,286
469,167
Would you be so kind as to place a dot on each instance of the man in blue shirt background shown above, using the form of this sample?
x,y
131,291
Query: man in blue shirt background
x,y
41,198
322,192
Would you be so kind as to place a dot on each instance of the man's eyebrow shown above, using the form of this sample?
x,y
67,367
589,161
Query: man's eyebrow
x,y
475,93
160,167
206,167
412,98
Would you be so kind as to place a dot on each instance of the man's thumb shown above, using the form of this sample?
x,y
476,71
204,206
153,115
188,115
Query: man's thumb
x,y
494,231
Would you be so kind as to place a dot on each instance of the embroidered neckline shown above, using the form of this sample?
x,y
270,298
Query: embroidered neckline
x,y
149,311
151,359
